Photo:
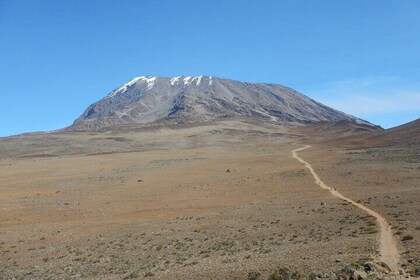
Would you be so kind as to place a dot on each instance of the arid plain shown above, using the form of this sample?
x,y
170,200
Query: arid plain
x,y
225,200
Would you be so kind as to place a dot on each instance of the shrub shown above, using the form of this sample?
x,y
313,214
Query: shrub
x,y
254,275
407,237
283,273
132,275
314,276
149,274
417,271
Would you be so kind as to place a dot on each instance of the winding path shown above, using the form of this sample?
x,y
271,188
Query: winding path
x,y
387,248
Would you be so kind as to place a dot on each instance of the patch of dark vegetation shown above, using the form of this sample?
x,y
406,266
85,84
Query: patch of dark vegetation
x,y
360,269
407,237
117,139
283,273
416,271
254,275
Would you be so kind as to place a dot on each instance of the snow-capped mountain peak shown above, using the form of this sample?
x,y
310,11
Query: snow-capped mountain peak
x,y
148,99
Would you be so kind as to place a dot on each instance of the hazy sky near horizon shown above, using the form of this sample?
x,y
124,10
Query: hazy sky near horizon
x,y
58,57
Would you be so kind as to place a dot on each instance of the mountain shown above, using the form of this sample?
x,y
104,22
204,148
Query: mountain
x,y
322,131
188,99
408,133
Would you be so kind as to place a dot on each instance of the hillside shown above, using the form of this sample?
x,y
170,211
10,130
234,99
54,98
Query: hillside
x,y
408,133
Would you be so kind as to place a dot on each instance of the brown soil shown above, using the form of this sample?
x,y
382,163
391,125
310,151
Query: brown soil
x,y
160,204
388,252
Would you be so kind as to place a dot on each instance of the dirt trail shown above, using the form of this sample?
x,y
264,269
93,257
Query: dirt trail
x,y
388,249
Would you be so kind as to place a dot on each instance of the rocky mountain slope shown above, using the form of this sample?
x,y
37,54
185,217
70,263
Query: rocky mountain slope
x,y
187,99
408,133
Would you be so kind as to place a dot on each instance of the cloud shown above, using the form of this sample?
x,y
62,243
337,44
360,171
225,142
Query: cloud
x,y
357,104
371,95
364,83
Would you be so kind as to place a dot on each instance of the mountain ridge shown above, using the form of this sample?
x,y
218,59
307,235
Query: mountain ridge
x,y
406,133
196,99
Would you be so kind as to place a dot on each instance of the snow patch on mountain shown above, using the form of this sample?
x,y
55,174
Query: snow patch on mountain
x,y
175,80
124,87
199,80
150,80
187,80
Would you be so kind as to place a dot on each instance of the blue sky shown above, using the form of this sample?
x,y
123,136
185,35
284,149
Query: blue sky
x,y
57,57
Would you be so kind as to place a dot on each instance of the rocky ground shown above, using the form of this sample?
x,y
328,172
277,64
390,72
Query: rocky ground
x,y
386,179
224,201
